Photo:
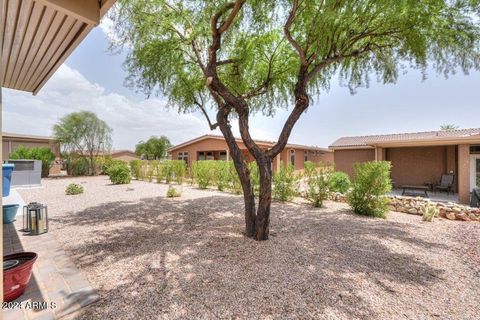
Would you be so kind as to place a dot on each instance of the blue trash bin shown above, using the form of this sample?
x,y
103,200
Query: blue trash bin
x,y
9,213
7,169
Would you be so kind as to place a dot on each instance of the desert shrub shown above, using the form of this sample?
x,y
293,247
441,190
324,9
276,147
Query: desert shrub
x,y
339,182
372,183
79,167
108,163
119,173
135,166
37,153
179,169
167,171
73,189
318,184
172,192
254,176
429,211
234,183
222,175
285,183
204,172
142,174
151,170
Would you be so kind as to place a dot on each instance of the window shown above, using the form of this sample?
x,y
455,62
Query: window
x,y
474,149
183,156
209,156
305,156
201,156
222,155
292,157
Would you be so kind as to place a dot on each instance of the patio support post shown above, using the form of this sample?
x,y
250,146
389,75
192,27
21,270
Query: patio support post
x,y
464,173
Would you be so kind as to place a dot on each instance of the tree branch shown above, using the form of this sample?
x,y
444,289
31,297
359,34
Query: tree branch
x,y
201,106
288,35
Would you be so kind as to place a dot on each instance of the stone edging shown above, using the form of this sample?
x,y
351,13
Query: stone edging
x,y
411,205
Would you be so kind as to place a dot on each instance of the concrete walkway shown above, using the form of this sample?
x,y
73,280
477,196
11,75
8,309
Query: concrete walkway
x,y
55,278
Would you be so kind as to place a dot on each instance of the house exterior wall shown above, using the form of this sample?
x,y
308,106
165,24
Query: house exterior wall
x,y
217,145
10,144
464,173
418,165
125,156
344,159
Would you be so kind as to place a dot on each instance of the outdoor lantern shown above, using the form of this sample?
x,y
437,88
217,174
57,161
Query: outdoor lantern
x,y
35,218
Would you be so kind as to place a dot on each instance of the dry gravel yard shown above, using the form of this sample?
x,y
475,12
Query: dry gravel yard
x,y
156,258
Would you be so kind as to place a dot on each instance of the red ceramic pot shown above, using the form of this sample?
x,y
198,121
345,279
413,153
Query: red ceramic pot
x,y
17,270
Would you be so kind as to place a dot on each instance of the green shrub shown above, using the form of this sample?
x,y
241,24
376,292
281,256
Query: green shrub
x,y
318,183
166,171
285,183
119,173
73,189
339,182
172,192
179,168
429,211
108,163
135,166
152,169
37,153
204,172
79,167
372,183
143,170
222,175
234,183
254,177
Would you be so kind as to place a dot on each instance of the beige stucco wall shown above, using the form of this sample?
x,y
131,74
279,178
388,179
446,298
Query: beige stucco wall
x,y
417,165
217,145
464,173
127,157
344,159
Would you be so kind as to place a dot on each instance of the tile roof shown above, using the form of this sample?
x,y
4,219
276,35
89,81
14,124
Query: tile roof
x,y
363,141
260,142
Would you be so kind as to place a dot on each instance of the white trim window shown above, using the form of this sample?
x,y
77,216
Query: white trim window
x,y
292,157
183,156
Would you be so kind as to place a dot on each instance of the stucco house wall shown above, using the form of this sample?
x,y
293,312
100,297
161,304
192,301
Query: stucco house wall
x,y
344,159
219,149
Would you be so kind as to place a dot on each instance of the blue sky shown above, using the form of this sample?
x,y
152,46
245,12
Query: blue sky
x,y
92,79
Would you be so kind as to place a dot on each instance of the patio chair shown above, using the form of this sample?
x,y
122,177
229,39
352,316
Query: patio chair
x,y
475,200
446,183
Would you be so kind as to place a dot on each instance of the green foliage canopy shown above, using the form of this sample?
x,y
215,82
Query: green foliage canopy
x,y
269,41
153,148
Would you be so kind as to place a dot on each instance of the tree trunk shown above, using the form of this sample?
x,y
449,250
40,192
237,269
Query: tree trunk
x,y
262,227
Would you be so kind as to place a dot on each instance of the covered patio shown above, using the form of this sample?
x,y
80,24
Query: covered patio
x,y
419,161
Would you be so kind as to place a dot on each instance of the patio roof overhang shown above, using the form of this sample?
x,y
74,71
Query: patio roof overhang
x,y
413,143
37,36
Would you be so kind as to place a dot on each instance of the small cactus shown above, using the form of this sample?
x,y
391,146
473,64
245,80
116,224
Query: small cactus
x,y
429,211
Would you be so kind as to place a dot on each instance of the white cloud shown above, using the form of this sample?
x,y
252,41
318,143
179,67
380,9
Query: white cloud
x,y
69,91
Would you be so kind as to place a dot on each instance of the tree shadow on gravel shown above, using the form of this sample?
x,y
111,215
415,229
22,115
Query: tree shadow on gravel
x,y
188,259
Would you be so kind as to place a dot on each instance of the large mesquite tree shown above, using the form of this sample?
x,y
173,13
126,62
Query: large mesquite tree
x,y
234,58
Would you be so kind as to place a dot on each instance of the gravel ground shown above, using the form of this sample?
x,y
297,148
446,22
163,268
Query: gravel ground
x,y
156,258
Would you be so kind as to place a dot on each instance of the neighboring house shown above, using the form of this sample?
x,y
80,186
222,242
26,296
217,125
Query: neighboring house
x,y
124,155
11,141
418,158
213,147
